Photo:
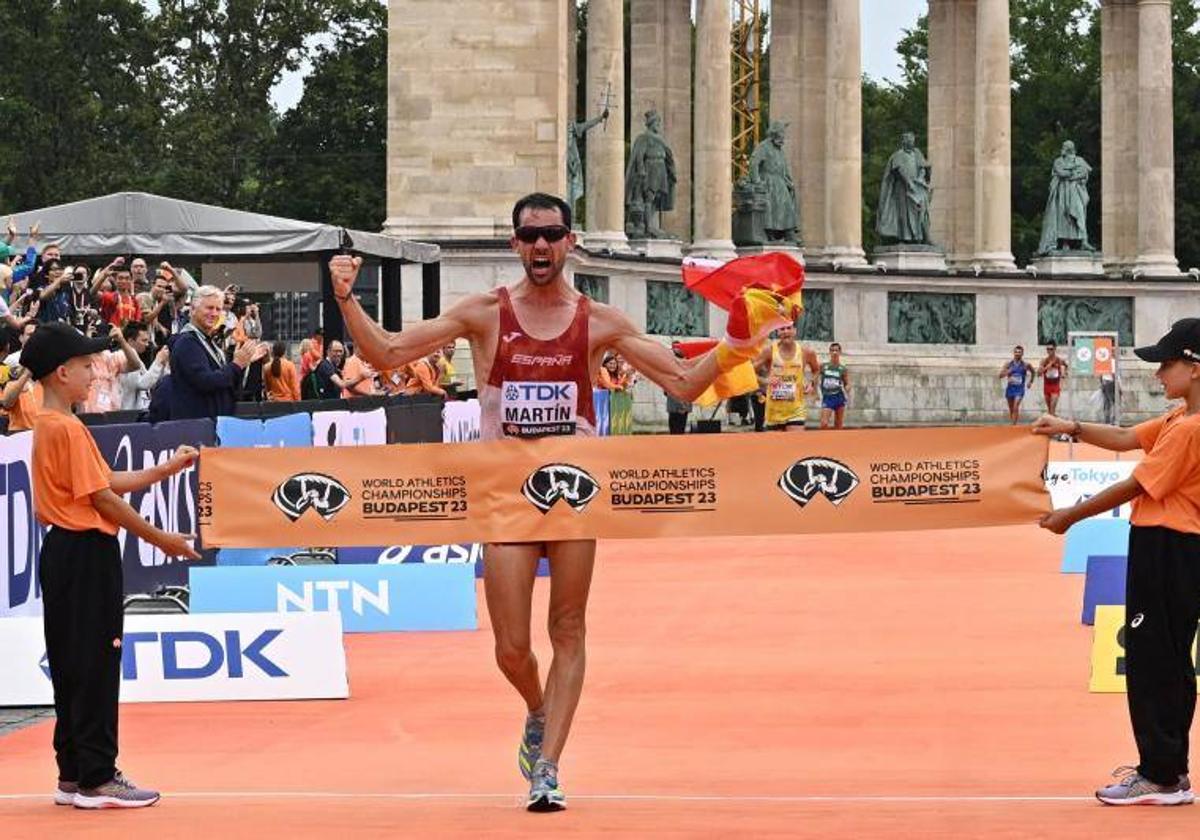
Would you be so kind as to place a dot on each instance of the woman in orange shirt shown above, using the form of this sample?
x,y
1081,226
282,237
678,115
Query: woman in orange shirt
x,y
22,400
610,377
283,385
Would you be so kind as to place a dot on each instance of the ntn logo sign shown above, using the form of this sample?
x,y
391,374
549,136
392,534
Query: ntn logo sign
x,y
306,599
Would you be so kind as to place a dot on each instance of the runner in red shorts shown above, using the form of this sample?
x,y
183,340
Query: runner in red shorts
x,y
1053,370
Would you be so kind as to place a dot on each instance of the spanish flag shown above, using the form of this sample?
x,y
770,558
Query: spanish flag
x,y
740,380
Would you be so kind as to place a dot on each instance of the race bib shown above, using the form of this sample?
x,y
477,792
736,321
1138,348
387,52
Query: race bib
x,y
539,409
1017,379
831,383
1052,373
782,390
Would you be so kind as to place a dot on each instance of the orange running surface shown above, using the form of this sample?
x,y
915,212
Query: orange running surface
x,y
889,685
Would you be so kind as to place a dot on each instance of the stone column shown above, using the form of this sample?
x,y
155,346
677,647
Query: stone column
x,y
1118,139
572,63
843,133
661,78
476,102
993,138
714,131
1155,141
952,127
786,74
605,168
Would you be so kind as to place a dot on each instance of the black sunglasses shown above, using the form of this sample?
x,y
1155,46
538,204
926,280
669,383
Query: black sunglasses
x,y
530,234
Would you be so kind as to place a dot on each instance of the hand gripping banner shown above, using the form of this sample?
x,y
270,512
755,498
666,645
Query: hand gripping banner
x,y
628,487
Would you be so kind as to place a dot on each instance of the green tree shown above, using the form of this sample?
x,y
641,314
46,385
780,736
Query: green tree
x,y
327,161
79,101
221,60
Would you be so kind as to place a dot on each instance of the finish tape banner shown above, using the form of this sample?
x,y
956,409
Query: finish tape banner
x,y
563,488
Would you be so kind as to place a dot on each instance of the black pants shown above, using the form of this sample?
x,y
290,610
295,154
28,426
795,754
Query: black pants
x,y
82,597
760,411
677,422
1162,598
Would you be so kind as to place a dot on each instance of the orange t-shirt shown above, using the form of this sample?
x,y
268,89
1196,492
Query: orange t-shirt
x,y
422,379
285,387
24,411
67,469
1170,472
352,369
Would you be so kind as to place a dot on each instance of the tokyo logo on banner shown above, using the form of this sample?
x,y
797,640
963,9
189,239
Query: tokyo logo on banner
x,y
20,532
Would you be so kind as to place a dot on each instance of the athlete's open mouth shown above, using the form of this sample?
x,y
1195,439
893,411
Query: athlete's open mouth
x,y
541,264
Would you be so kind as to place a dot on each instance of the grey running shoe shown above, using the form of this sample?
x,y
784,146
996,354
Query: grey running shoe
x,y
531,744
118,793
64,794
544,793
1132,788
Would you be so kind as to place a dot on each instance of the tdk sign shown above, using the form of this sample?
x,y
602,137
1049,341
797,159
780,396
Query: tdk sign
x,y
196,655
369,598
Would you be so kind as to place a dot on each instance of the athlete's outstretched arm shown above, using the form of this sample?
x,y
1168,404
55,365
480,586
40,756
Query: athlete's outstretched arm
x,y
684,379
387,350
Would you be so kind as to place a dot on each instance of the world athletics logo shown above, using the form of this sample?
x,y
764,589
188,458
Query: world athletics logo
x,y
547,484
322,493
808,478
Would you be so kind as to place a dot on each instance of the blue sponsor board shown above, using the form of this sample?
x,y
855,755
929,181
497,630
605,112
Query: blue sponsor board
x,y
471,553
370,598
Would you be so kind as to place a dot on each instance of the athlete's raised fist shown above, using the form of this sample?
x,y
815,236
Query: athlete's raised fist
x,y
756,312
343,271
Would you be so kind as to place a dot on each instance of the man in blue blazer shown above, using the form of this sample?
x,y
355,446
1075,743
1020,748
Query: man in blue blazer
x,y
204,381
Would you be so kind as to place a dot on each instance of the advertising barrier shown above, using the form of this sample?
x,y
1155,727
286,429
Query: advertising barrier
x,y
626,487
1071,482
196,657
20,591
169,504
370,598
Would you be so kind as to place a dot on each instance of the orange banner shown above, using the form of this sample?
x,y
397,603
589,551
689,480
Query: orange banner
x,y
645,486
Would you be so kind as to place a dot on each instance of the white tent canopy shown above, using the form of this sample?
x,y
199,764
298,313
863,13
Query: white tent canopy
x,y
141,223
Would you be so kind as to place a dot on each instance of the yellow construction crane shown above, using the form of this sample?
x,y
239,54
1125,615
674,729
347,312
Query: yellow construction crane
x,y
747,82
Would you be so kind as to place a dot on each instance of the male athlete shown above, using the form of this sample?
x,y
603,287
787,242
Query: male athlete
x,y
783,362
1053,369
540,330
1018,374
835,389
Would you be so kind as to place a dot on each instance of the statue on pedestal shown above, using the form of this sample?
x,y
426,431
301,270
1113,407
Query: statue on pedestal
x,y
769,167
575,133
1064,224
649,182
903,213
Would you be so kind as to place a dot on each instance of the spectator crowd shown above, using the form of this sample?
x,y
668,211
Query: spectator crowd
x,y
178,349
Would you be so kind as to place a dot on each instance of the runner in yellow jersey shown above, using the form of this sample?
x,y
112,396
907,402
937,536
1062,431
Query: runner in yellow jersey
x,y
783,362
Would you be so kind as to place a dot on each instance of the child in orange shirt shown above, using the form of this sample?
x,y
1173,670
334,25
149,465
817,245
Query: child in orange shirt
x,y
1162,603
79,497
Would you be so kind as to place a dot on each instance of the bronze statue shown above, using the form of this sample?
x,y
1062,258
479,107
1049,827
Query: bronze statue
x,y
1064,224
903,213
649,182
575,133
769,167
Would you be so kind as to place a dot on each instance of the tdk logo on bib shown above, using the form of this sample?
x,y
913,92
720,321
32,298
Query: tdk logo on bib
x,y
539,409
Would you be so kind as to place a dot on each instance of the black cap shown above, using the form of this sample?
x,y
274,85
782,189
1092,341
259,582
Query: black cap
x,y
1182,342
54,344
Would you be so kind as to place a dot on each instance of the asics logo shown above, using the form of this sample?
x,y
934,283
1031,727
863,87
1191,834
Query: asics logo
x,y
804,480
322,493
1137,620
547,484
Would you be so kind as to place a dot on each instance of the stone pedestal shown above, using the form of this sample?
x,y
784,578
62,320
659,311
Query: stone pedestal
x,y
910,257
793,251
657,248
1078,263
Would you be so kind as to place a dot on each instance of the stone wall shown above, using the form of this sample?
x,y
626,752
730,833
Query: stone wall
x,y
475,105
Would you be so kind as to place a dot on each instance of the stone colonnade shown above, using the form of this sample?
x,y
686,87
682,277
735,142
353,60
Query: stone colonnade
x,y
478,108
